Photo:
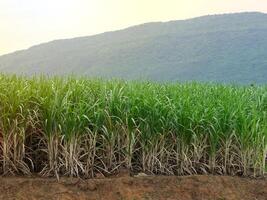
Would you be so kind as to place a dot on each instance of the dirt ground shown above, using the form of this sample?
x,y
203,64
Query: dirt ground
x,y
135,188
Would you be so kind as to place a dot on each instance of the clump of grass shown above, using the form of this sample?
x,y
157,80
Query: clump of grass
x,y
80,127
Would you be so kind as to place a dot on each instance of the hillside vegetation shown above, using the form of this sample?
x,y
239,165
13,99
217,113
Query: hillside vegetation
x,y
81,127
221,48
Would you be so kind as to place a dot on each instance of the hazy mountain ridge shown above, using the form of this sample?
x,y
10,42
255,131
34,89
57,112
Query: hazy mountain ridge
x,y
223,48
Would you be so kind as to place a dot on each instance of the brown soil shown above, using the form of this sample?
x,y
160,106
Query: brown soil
x,y
135,188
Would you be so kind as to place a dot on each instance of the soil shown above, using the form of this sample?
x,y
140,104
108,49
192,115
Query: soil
x,y
134,188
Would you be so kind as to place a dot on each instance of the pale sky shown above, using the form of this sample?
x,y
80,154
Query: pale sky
x,y
24,23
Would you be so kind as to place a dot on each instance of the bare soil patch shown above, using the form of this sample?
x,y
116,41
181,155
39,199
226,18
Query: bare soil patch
x,y
135,188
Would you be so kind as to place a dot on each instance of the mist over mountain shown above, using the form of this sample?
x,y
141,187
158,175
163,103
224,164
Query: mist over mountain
x,y
220,48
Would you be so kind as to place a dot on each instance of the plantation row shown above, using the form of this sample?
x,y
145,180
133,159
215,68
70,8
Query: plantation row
x,y
81,127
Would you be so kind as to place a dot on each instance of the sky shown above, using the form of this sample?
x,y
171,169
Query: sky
x,y
24,23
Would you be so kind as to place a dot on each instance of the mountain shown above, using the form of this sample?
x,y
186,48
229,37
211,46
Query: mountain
x,y
221,48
